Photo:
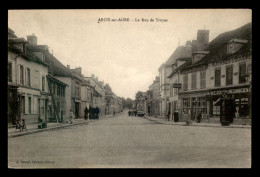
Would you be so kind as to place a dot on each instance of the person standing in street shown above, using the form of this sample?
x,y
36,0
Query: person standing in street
x,y
199,117
71,116
86,113
129,112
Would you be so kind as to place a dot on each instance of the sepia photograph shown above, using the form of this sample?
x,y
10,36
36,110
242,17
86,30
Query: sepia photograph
x,y
129,88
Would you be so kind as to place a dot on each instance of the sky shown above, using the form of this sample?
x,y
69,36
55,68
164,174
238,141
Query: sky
x,y
124,54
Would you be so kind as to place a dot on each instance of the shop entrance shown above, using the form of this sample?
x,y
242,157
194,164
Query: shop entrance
x,y
193,108
76,109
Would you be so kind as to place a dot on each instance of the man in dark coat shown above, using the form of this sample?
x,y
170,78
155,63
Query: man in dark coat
x,y
86,113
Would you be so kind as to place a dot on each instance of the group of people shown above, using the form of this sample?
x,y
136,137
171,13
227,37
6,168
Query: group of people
x,y
132,112
175,116
91,113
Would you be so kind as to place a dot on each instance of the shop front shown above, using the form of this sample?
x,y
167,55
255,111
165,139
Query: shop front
x,y
241,102
193,103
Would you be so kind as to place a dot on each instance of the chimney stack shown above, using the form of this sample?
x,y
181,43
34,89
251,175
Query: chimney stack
x,y
202,39
32,39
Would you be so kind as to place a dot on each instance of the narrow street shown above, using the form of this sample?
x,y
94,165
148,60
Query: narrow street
x,y
132,142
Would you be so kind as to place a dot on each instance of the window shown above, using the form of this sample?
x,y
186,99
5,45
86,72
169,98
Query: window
x,y
242,72
171,90
29,105
58,90
217,77
9,72
21,75
194,80
43,83
54,89
185,82
202,79
28,77
229,75
176,89
186,105
202,104
22,104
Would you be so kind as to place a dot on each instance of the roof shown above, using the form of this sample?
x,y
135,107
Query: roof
x,y
56,66
180,52
27,55
218,49
55,79
17,40
37,48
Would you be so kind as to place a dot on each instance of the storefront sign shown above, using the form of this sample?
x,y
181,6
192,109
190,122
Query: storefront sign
x,y
176,85
193,69
229,61
229,91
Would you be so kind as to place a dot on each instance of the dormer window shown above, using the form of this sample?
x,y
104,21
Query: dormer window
x,y
234,45
197,56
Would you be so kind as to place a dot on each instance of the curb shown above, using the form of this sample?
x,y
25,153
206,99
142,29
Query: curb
x,y
197,125
47,129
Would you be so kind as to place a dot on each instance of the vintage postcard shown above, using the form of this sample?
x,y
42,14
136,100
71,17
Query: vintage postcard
x,y
129,88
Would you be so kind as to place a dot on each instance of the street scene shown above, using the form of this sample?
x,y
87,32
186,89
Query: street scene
x,y
124,88
132,142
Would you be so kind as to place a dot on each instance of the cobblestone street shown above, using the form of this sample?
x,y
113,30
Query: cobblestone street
x,y
132,142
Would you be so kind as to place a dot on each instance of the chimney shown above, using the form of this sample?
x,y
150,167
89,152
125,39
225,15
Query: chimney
x,y
68,66
202,39
32,39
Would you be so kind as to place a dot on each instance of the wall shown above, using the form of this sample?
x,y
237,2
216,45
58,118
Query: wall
x,y
68,81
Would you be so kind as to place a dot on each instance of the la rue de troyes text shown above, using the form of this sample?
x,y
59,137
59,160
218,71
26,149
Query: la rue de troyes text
x,y
133,20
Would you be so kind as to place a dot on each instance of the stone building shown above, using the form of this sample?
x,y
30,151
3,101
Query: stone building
x,y
223,69
27,88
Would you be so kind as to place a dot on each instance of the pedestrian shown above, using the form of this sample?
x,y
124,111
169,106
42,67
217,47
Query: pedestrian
x,y
86,113
168,115
135,111
129,112
71,116
97,112
114,113
199,117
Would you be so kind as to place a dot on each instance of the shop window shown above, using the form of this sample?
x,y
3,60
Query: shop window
x,y
9,72
194,80
241,105
202,79
216,110
242,72
186,106
217,77
229,75
185,82
202,105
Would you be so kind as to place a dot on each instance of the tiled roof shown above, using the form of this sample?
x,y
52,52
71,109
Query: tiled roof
x,y
40,48
180,52
56,66
218,46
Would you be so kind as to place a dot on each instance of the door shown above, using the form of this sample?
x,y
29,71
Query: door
x,y
193,108
76,110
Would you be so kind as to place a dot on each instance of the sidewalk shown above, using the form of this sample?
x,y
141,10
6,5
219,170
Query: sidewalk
x,y
33,128
202,124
